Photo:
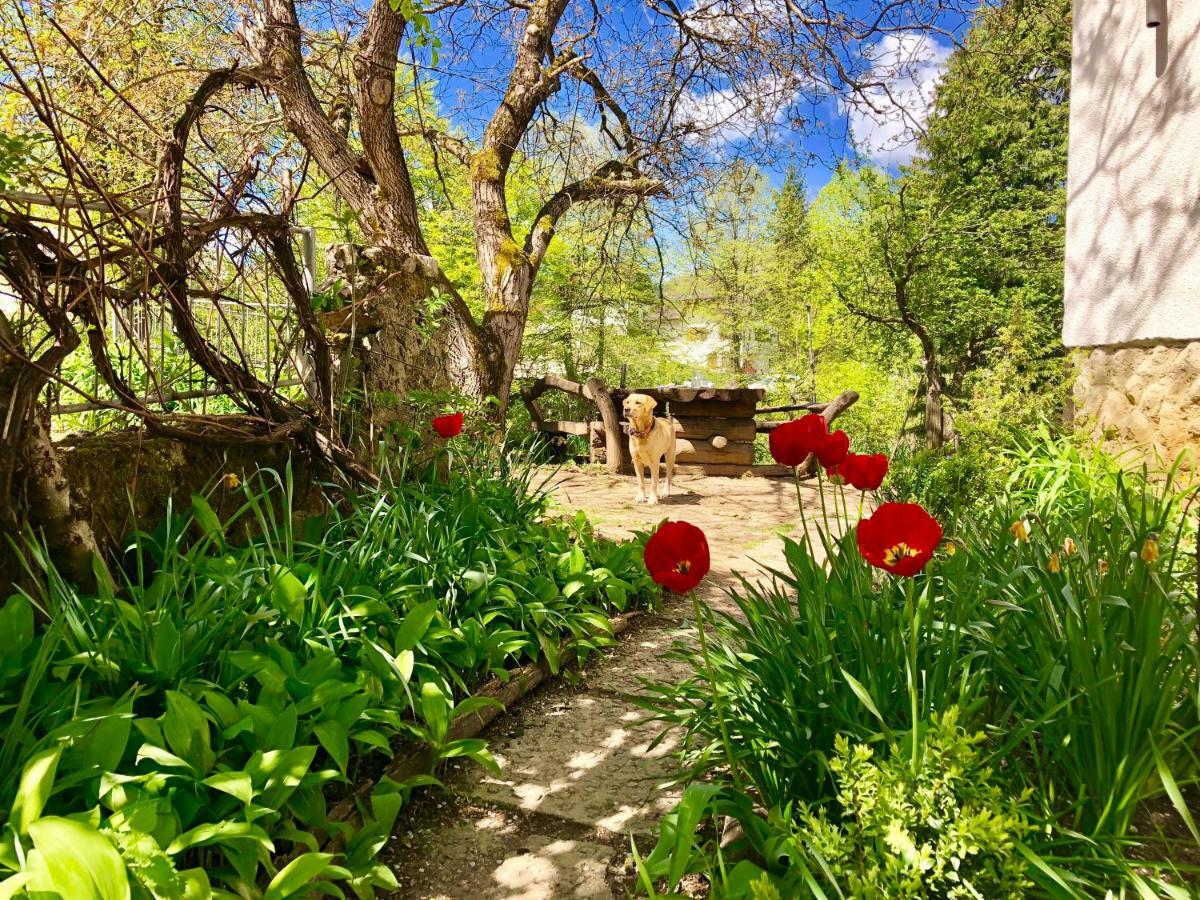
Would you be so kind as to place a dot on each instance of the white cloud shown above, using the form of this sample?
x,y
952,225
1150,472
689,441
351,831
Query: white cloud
x,y
725,115
886,119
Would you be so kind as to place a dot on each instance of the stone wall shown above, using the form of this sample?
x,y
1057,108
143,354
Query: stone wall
x,y
1142,397
126,479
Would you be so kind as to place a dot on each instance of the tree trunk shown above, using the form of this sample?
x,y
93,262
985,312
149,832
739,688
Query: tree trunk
x,y
33,490
405,335
935,414
507,279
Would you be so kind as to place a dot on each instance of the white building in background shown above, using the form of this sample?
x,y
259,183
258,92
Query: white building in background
x,y
1133,222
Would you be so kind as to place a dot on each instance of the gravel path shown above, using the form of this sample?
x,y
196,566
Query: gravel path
x,y
579,777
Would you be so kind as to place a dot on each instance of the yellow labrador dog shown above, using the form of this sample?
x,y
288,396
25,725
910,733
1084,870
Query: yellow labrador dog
x,y
650,439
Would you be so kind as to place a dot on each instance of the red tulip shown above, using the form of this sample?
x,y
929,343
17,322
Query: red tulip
x,y
793,442
677,556
835,475
899,537
864,471
448,426
833,449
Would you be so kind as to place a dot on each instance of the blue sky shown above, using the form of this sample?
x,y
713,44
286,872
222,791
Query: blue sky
x,y
832,131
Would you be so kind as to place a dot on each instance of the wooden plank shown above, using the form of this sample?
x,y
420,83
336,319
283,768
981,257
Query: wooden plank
x,y
793,407
707,426
734,453
561,427
735,431
690,394
723,409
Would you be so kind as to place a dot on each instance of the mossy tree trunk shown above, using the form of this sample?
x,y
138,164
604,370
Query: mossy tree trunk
x,y
477,358
34,494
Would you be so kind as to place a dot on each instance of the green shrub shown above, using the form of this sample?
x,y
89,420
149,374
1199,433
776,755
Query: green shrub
x,y
185,728
1062,625
947,480
942,829
939,826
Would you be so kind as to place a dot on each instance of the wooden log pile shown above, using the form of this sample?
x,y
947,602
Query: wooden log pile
x,y
713,426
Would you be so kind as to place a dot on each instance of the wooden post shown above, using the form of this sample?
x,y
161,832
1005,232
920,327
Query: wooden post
x,y
833,409
624,373
599,395
839,405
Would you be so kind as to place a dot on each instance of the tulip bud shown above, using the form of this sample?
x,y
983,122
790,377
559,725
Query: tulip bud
x,y
1150,550
1068,547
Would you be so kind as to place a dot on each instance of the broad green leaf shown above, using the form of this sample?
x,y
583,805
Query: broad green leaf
x,y
235,784
219,833
405,661
332,735
37,781
16,624
196,885
186,730
415,624
9,886
689,812
206,518
435,710
167,650
162,757
283,772
75,861
297,875
103,745
288,594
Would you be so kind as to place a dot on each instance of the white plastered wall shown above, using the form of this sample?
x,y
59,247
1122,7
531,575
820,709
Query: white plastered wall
x,y
1133,187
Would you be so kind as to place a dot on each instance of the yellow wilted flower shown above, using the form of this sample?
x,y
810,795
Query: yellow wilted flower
x,y
1054,564
1020,529
1068,546
1150,550
1103,566
951,548
231,481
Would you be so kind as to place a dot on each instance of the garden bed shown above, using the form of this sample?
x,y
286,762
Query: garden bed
x,y
225,711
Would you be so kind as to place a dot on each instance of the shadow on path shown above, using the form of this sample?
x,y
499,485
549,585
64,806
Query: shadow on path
x,y
578,774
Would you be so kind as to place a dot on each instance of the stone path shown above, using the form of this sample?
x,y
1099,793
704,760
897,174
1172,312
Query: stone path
x,y
579,776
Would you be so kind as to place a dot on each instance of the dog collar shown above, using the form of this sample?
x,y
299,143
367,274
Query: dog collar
x,y
641,433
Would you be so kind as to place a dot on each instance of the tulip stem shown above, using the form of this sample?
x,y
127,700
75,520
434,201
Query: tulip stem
x,y
824,511
803,518
914,623
716,694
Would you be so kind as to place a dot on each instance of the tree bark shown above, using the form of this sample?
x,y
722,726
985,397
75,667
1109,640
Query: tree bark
x,y
935,414
33,491
477,358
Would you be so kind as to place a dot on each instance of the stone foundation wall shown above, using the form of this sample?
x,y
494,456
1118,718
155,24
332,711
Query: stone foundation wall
x,y
126,479
1143,397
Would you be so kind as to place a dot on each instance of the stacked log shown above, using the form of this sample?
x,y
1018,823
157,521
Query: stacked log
x,y
712,427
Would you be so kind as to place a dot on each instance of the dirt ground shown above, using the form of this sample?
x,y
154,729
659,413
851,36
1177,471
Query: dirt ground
x,y
581,776
743,518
